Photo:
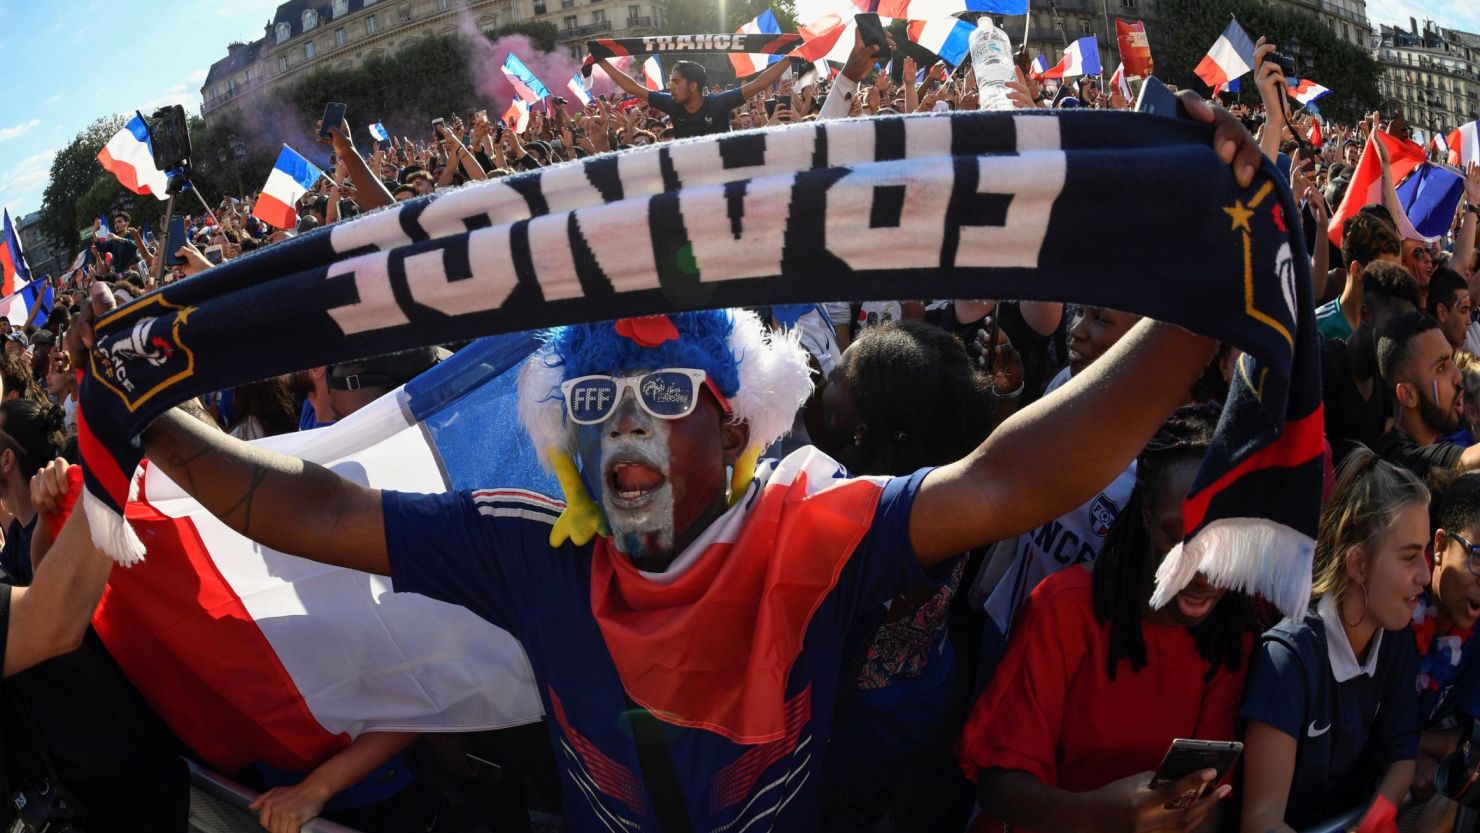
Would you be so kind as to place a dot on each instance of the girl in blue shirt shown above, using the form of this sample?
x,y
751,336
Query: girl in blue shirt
x,y
1331,707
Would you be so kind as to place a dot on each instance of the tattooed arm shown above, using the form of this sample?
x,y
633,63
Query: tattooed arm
x,y
277,500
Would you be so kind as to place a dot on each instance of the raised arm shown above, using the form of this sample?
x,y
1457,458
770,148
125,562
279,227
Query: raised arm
x,y
370,192
765,79
623,80
277,500
1464,242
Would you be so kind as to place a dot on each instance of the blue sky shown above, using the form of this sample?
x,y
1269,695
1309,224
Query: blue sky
x,y
67,62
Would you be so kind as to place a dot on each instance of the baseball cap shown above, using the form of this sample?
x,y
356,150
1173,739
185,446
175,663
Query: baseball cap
x,y
17,335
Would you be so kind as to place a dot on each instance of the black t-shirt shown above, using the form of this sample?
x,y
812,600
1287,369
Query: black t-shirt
x,y
1350,419
104,742
1398,447
713,115
15,556
124,252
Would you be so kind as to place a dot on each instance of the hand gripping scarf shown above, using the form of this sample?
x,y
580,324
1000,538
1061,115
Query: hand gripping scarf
x,y
1121,210
772,44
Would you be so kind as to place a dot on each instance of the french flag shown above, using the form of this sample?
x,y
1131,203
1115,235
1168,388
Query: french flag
x,y
1304,90
379,133
29,305
652,73
578,89
1040,66
1316,138
1429,197
1464,145
516,117
947,37
1232,55
1118,82
829,37
1366,183
748,63
130,157
13,271
292,176
528,87
928,9
1081,58
249,654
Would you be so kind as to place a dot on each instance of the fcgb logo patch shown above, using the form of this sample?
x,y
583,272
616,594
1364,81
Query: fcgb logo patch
x,y
1102,512
142,354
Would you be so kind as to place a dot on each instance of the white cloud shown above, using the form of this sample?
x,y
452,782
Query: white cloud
x,y
53,98
176,94
28,173
19,130
197,77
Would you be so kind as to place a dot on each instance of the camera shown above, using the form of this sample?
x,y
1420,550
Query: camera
x,y
169,138
44,808
1283,61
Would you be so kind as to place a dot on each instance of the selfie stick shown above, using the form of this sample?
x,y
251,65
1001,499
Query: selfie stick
x,y
161,256
205,205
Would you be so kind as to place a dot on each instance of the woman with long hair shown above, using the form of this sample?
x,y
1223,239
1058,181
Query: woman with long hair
x,y
30,436
1332,710
1095,684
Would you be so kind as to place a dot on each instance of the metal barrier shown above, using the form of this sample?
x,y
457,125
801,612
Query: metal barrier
x,y
219,805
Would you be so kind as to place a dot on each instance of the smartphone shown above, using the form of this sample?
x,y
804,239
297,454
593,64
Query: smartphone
x,y
348,208
1156,99
437,125
1186,756
213,254
872,30
770,107
333,117
175,241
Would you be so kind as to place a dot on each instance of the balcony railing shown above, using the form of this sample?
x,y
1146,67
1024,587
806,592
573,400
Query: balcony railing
x,y
639,22
589,29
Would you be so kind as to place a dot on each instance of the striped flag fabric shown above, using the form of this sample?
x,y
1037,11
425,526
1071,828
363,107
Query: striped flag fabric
x,y
578,89
1081,58
1316,137
749,64
35,297
379,133
1304,90
292,176
652,73
129,156
516,117
1231,56
1429,197
828,37
948,37
1040,66
249,654
526,85
14,273
1366,183
1464,145
1118,82
929,9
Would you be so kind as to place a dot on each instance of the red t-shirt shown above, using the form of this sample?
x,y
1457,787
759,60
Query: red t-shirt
x,y
1052,712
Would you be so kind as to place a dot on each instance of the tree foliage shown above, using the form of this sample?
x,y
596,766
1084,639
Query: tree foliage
x,y
688,17
74,172
1188,27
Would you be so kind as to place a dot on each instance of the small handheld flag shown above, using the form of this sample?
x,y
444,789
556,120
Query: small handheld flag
x,y
1040,66
1081,58
1118,82
130,157
104,230
1231,56
378,132
528,87
292,176
13,271
578,89
1464,145
516,118
652,73
748,64
1304,90
948,37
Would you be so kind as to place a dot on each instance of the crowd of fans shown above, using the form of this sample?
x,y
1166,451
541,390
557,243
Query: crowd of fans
x,y
1030,686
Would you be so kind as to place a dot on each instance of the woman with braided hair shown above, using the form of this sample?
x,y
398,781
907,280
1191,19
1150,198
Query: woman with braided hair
x,y
1096,684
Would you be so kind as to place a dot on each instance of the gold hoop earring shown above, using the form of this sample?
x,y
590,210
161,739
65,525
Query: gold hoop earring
x,y
1364,609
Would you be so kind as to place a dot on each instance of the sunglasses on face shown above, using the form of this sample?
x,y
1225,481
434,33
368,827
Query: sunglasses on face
x,y
1473,551
669,393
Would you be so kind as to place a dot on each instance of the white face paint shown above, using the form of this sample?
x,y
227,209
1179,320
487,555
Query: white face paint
x,y
631,453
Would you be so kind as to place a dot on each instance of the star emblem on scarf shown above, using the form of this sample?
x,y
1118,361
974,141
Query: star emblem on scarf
x,y
1240,215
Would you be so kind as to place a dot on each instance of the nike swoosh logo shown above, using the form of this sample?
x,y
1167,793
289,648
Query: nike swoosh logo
x,y
1313,732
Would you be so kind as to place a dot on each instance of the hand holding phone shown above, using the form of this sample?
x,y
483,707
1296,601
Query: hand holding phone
x,y
333,117
175,241
872,30
1188,757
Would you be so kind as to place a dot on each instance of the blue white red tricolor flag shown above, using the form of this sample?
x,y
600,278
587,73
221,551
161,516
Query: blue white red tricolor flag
x,y
31,304
379,133
13,271
1464,145
130,157
577,87
1304,90
1040,66
652,73
947,37
747,63
1231,56
320,654
526,85
1429,197
516,118
1081,58
929,9
1118,82
292,176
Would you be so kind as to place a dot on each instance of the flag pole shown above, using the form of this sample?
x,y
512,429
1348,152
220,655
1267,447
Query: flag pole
x,y
1027,22
206,206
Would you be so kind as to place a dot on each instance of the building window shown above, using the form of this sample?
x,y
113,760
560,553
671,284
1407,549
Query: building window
x,y
539,6
565,4
598,16
284,31
633,13
369,2
1128,4
341,8
308,50
282,63
339,37
310,19
570,22
444,5
371,25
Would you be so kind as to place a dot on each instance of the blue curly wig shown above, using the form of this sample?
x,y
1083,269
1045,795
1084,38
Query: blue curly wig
x,y
702,343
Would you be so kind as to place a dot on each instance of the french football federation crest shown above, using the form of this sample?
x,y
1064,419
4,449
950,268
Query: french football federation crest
x,y
141,361
1102,512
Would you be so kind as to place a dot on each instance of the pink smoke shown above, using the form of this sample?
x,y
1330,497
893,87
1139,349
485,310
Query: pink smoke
x,y
553,68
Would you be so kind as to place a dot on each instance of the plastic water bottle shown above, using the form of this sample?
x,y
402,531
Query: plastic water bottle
x,y
991,60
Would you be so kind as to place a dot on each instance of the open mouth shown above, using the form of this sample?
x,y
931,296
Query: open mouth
x,y
1472,609
1413,600
1195,605
632,483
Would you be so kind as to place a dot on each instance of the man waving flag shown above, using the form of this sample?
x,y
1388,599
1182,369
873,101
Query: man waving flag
x,y
1232,55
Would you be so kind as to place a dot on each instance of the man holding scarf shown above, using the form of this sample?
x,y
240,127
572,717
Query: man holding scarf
x,y
686,626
